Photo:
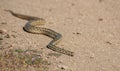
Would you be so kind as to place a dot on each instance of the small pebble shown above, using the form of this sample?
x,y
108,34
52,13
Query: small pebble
x,y
14,36
73,4
1,37
92,56
3,22
108,42
63,67
100,19
77,33
7,36
3,31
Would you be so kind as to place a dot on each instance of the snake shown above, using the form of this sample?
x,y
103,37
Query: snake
x,y
33,26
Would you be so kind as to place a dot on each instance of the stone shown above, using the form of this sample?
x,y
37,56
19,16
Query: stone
x,y
3,31
63,67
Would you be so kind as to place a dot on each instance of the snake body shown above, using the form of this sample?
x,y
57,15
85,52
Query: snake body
x,y
32,27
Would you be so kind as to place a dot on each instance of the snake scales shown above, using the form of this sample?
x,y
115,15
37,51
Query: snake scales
x,y
33,27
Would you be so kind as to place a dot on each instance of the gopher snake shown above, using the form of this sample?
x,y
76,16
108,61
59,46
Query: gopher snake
x,y
32,27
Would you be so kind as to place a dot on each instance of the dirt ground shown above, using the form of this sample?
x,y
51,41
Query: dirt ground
x,y
90,28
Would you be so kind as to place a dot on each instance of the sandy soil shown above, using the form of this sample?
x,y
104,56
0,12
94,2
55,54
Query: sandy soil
x,y
90,28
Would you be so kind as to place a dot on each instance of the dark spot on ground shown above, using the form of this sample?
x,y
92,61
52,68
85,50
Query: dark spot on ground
x,y
101,0
100,19
108,42
7,36
72,4
49,10
76,33
3,23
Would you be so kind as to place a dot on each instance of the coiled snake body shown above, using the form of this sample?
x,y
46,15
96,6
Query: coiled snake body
x,y
33,27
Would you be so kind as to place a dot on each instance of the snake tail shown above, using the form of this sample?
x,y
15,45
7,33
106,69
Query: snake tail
x,y
60,50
